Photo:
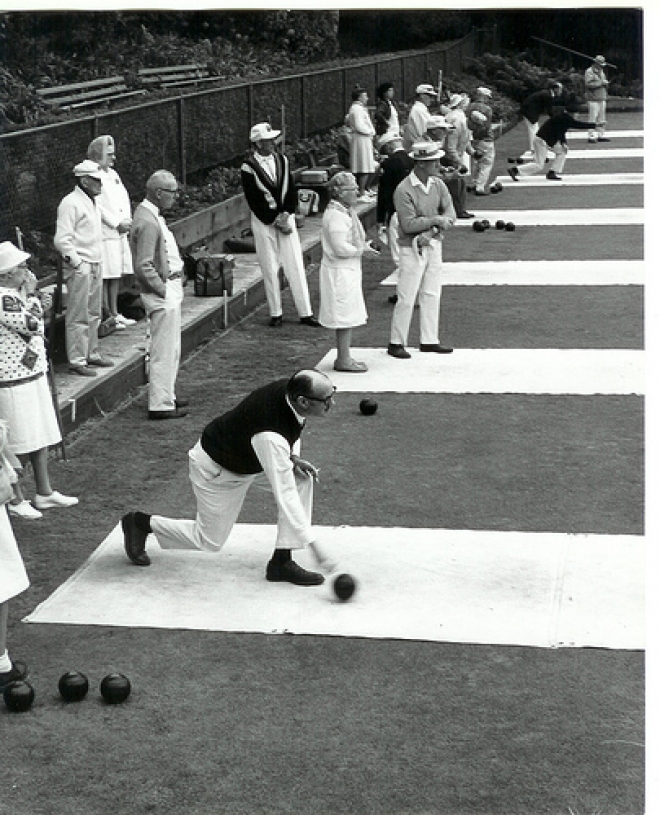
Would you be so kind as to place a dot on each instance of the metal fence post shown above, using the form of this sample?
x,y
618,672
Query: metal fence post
x,y
181,138
303,109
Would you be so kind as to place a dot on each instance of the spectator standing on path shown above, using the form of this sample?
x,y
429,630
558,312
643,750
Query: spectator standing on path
x,y
386,117
480,121
115,223
552,134
362,133
415,128
79,239
596,84
26,405
340,277
425,212
258,442
454,173
271,195
13,577
457,142
159,273
537,104
394,169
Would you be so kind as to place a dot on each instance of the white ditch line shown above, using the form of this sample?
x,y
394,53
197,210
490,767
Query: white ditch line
x,y
540,273
573,180
583,135
632,216
579,372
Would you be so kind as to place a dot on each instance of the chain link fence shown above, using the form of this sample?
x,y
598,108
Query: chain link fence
x,y
199,130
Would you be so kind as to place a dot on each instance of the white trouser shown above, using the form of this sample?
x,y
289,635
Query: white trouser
x,y
393,241
220,495
532,130
275,249
82,318
165,344
481,167
419,279
596,113
540,154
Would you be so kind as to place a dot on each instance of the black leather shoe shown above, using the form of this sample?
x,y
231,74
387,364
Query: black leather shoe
x,y
19,670
275,322
311,320
134,541
552,176
603,138
291,572
163,415
393,298
435,348
465,215
181,403
397,351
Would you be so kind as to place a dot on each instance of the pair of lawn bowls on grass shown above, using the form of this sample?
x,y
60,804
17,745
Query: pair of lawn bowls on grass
x,y
73,686
483,225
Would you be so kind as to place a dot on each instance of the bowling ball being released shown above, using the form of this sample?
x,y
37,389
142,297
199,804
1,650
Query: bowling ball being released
x,y
18,696
73,686
368,407
344,587
500,224
510,227
115,688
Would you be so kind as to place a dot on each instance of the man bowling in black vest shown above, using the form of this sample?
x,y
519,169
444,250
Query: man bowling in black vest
x,y
257,442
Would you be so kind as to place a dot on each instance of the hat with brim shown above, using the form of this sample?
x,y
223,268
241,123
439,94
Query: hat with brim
x,y
485,91
426,151
438,123
455,100
427,89
263,131
11,256
88,169
600,59
388,138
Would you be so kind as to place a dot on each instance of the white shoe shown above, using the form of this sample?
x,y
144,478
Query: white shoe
x,y
55,499
24,510
365,199
125,320
120,326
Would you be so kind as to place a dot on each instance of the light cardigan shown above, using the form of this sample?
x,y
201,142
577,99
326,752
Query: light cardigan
x,y
78,233
417,205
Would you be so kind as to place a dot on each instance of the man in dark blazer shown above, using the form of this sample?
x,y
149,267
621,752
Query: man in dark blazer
x,y
158,271
271,195
537,104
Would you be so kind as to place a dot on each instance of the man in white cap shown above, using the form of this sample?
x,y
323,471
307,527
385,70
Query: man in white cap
x,y
271,195
480,121
415,128
596,94
158,271
78,238
454,173
425,211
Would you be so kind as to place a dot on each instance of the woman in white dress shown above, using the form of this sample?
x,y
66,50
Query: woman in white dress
x,y
363,164
115,206
25,401
340,276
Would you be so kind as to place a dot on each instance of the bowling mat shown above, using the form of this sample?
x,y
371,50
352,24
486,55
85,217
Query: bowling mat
x,y
477,370
511,588
573,180
564,217
539,273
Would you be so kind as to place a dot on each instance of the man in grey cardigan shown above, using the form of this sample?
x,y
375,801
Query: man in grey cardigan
x,y
158,270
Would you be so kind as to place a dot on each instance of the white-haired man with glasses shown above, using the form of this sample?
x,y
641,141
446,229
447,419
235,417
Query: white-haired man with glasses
x,y
257,442
158,268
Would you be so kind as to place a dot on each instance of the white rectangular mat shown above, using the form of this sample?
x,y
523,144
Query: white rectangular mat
x,y
540,273
583,135
477,370
571,180
605,152
511,588
631,216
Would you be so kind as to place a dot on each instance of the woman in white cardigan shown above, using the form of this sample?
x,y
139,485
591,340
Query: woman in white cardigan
x,y
363,164
340,276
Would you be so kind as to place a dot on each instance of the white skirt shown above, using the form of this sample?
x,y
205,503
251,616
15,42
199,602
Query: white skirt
x,y
117,260
29,411
13,577
342,301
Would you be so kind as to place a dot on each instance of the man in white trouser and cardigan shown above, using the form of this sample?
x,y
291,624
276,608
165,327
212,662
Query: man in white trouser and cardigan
x,y
425,211
256,443
158,271
271,195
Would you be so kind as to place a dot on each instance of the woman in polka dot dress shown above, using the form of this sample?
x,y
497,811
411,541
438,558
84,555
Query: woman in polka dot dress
x,y
25,401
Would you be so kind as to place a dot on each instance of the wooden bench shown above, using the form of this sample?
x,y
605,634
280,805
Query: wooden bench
x,y
175,75
85,94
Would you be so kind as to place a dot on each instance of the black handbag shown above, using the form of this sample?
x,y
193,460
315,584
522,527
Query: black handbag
x,y
214,275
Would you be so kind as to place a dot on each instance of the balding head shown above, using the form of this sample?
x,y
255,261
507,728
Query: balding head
x,y
310,392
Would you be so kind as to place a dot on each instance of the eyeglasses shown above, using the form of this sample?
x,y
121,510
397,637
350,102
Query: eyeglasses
x,y
171,192
327,401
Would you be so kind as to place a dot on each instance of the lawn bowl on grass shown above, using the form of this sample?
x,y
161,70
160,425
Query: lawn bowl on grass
x,y
73,686
115,688
368,407
18,696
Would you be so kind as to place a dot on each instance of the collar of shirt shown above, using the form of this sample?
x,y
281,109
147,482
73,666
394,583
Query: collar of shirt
x,y
268,164
152,208
301,419
416,181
